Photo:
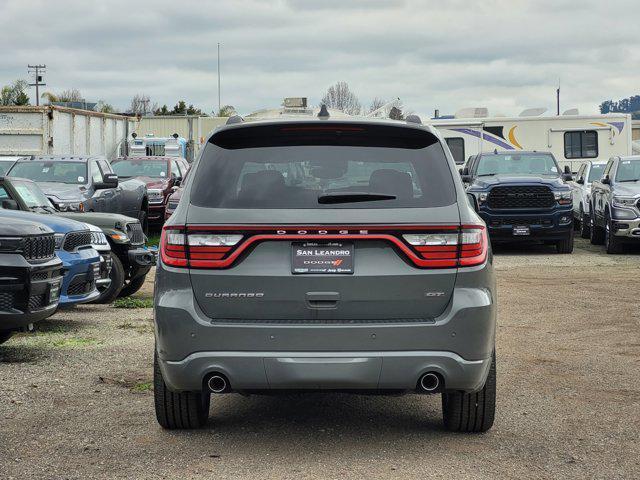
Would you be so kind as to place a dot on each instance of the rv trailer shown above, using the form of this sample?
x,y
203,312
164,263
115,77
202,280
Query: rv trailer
x,y
572,139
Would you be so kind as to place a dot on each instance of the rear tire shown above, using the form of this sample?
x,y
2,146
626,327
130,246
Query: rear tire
x,y
471,412
585,225
566,245
178,410
611,242
133,286
117,282
597,233
5,335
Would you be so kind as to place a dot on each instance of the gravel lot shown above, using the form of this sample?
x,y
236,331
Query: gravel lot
x,y
75,398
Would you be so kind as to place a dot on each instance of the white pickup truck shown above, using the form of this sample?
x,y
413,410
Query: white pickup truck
x,y
581,188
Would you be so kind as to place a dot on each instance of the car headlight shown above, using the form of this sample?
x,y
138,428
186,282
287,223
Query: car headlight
x,y
563,198
71,207
624,201
98,238
59,237
10,244
155,195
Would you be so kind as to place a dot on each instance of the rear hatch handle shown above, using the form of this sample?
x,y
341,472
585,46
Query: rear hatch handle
x,y
322,300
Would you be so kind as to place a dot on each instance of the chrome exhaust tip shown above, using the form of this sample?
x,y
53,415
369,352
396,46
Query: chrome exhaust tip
x,y
217,384
430,382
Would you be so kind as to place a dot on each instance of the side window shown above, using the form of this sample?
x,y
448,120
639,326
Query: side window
x,y
96,175
456,145
175,170
581,144
3,194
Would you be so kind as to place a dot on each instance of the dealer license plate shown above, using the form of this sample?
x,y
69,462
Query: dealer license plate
x,y
311,257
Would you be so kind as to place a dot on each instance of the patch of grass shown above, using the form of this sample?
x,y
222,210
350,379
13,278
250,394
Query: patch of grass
x,y
134,302
142,387
153,240
74,342
138,327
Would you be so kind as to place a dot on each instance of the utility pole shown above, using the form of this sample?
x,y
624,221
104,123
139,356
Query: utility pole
x,y
219,104
37,71
558,98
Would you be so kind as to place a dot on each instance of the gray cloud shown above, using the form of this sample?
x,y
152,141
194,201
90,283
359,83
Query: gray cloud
x,y
503,54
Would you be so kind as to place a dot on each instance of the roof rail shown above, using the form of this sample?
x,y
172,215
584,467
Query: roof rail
x,y
323,113
234,119
413,119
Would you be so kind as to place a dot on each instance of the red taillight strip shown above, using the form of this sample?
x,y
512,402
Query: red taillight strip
x,y
447,256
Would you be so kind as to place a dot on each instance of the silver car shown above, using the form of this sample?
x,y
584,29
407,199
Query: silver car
x,y
581,191
320,254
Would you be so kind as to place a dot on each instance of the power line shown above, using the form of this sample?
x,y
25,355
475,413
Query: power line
x,y
37,71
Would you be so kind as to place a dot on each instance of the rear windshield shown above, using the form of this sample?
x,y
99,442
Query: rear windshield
x,y
301,169
59,172
140,168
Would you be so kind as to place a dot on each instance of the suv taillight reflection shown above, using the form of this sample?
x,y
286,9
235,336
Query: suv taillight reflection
x,y
425,246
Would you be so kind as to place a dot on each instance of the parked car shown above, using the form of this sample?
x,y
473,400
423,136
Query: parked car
x,y
522,196
615,204
172,202
160,174
325,255
30,275
581,188
129,261
100,244
80,262
85,184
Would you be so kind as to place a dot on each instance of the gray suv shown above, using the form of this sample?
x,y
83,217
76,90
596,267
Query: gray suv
x,y
325,255
615,204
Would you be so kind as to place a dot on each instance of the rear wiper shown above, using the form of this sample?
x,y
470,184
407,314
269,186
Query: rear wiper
x,y
349,197
487,174
629,180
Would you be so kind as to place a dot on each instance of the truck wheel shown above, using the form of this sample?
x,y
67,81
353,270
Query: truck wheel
x,y
566,245
596,233
471,412
117,282
612,243
132,286
5,335
585,224
177,410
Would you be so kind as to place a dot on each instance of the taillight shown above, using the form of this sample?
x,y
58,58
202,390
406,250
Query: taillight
x,y
426,246
180,248
464,248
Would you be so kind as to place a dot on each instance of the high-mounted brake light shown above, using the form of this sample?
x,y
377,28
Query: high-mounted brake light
x,y
426,246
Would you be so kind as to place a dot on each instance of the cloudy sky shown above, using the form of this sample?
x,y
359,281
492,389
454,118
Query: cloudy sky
x,y
506,55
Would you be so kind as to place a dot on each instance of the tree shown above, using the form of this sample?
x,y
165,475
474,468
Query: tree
x,y
164,110
104,107
70,95
376,103
141,105
179,108
15,94
226,111
625,105
340,97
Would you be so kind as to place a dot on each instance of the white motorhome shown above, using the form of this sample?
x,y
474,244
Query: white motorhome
x,y
572,138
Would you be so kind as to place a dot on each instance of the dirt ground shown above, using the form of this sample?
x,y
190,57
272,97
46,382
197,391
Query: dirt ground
x,y
76,399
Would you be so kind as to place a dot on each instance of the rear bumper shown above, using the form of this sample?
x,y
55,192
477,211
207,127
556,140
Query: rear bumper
x,y
325,370
458,345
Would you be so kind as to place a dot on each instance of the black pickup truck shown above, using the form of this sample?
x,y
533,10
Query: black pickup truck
x,y
522,196
30,275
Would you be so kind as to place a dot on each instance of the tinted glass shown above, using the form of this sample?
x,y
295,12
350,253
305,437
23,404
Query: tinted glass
x,y
456,145
140,168
628,170
581,144
5,166
58,172
596,172
296,176
516,164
